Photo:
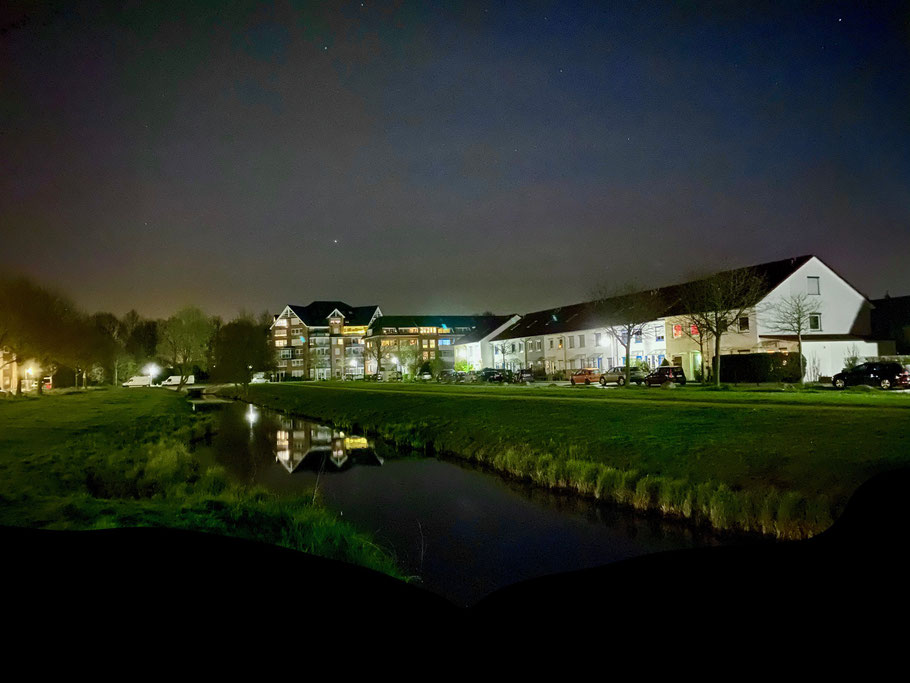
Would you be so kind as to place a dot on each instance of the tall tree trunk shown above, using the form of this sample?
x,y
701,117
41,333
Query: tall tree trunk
x,y
717,360
799,346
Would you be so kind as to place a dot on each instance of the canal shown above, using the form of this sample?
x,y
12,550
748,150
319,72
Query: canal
x,y
461,531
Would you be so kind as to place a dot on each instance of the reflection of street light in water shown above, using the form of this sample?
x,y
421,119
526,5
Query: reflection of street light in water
x,y
252,415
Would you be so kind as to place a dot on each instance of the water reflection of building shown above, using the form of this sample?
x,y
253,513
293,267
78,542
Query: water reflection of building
x,y
303,443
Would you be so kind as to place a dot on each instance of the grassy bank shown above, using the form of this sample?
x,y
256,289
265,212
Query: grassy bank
x,y
122,458
782,463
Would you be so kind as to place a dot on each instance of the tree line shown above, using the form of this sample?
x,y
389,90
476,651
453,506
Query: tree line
x,y
42,327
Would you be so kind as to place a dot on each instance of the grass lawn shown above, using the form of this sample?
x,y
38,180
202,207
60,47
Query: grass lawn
x,y
779,462
123,458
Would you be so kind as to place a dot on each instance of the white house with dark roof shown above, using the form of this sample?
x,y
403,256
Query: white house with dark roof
x,y
571,337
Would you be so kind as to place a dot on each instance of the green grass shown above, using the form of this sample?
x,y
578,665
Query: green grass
x,y
123,458
781,462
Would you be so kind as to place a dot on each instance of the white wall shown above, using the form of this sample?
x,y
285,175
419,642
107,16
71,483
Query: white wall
x,y
843,310
827,358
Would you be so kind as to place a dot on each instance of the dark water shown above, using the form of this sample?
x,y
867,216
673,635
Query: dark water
x,y
463,531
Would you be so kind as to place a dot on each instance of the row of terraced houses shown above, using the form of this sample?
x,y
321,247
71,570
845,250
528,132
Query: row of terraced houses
x,y
332,340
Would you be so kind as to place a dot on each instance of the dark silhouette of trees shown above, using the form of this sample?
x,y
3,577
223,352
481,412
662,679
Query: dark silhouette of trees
x,y
241,349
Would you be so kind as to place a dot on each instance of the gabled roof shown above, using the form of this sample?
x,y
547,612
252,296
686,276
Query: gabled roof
x,y
591,315
449,321
316,313
484,329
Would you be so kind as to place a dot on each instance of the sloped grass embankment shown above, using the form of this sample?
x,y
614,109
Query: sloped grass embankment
x,y
738,461
122,458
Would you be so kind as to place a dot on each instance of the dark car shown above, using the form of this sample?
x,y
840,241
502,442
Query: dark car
x,y
490,375
665,373
447,376
524,375
884,375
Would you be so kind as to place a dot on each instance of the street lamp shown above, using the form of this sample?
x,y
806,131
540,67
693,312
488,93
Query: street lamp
x,y
152,371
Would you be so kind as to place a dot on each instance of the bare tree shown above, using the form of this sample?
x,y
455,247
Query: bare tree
x,y
411,357
624,314
716,303
790,315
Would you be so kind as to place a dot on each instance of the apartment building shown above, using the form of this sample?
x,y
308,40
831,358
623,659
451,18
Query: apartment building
x,y
391,339
323,340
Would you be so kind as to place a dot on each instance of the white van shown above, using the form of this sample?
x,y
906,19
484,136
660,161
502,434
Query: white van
x,y
139,381
174,380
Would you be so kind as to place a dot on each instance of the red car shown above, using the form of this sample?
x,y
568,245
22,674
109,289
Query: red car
x,y
584,376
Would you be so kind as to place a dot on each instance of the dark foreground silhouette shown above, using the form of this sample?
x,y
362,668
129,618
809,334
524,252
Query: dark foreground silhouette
x,y
138,581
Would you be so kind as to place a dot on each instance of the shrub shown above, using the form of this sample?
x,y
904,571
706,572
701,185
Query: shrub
x,y
608,482
646,491
724,511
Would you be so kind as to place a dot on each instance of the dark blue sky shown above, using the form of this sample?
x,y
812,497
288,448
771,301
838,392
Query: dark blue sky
x,y
504,156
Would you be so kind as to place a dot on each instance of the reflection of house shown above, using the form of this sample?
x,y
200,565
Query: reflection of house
x,y
300,442
577,336
431,336
322,340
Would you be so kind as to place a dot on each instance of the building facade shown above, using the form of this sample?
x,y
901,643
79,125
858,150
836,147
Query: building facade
x,y
323,340
397,342
559,340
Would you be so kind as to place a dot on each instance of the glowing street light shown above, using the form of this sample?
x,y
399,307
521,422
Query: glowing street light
x,y
152,371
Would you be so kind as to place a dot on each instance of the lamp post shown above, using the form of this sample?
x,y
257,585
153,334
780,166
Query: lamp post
x,y
152,371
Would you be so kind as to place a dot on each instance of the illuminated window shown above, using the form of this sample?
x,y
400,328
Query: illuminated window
x,y
677,331
445,342
693,330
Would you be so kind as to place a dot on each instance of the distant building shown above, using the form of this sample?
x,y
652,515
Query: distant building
x,y
323,340
474,348
431,336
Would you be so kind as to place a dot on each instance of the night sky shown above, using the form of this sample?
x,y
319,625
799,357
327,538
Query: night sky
x,y
446,157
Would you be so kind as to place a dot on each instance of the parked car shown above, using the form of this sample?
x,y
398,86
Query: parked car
x,y
448,376
584,376
884,375
259,378
491,375
138,381
524,375
389,376
174,380
617,375
665,373
424,376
